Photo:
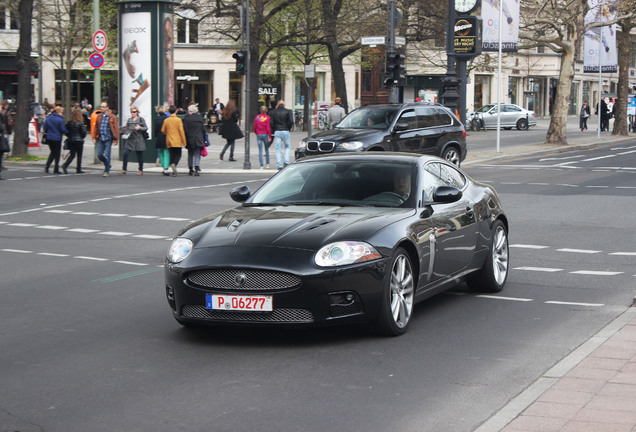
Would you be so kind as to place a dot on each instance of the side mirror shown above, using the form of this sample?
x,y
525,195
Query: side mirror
x,y
400,126
446,194
240,193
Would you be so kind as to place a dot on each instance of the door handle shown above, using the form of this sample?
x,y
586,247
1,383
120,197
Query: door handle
x,y
469,211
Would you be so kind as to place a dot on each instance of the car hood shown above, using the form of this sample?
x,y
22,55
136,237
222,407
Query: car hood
x,y
344,135
300,227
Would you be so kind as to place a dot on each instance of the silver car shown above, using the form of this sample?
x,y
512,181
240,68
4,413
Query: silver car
x,y
511,116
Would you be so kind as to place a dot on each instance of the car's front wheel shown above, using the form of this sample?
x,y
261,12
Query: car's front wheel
x,y
492,276
398,292
451,154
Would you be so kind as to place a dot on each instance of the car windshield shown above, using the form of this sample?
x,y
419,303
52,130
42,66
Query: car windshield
x,y
342,183
368,118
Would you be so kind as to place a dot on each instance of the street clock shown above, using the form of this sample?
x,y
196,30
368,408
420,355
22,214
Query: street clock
x,y
466,6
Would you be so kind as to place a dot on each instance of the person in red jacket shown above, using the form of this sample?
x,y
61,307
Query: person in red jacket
x,y
263,131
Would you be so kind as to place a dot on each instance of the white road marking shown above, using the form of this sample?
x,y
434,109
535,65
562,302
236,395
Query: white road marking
x,y
85,213
144,217
175,219
150,236
51,227
17,251
624,253
90,258
82,230
504,298
529,246
115,233
574,303
53,254
23,225
58,211
540,269
582,251
131,263
596,273
112,214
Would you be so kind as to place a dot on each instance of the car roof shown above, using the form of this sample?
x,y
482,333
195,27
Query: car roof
x,y
372,156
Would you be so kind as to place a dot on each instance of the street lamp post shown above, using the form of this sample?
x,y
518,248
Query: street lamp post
x,y
450,82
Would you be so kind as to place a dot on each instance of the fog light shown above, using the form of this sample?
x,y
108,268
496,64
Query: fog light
x,y
170,296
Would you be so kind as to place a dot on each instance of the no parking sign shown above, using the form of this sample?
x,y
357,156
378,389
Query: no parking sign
x,y
96,60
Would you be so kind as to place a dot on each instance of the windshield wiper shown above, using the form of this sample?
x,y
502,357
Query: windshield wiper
x,y
266,204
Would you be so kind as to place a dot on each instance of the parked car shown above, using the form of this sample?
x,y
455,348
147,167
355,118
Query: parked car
x,y
342,238
412,127
511,116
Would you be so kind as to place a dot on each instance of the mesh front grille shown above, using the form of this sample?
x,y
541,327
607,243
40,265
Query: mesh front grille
x,y
243,280
277,315
320,146
344,310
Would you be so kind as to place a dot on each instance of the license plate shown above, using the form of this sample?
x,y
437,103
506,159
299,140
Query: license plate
x,y
239,303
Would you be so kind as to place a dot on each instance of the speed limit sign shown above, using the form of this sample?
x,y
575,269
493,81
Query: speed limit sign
x,y
100,41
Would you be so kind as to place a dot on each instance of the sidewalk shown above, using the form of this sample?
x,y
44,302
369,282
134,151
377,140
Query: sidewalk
x,y
509,149
591,390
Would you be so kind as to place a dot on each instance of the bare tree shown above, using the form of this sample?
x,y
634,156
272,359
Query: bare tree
x,y
66,31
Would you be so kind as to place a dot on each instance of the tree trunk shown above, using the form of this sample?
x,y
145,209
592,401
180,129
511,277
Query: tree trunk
x,y
24,96
624,55
338,75
557,133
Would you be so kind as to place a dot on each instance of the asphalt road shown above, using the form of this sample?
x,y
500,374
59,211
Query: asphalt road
x,y
88,342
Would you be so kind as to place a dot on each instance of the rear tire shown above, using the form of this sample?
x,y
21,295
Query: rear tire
x,y
396,304
522,124
451,154
492,276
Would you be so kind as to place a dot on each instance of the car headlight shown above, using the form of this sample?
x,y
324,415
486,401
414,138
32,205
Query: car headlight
x,y
302,145
344,253
353,145
179,249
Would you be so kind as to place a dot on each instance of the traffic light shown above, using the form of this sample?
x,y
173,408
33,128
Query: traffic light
x,y
394,66
241,61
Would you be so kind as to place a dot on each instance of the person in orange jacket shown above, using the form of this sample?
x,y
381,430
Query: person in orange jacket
x,y
175,137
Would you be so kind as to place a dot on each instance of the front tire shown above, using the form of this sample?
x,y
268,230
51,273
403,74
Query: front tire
x,y
492,276
396,305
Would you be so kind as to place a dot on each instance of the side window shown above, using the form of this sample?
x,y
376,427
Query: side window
x,y
431,180
445,175
512,108
409,118
426,117
443,118
452,177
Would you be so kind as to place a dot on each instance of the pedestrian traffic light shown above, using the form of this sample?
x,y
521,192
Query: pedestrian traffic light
x,y
395,66
241,60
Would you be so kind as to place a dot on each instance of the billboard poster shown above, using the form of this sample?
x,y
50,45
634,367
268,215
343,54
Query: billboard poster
x,y
491,25
167,52
136,66
600,42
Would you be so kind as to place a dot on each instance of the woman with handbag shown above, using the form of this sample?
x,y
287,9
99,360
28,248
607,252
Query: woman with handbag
x,y
137,129
76,134
230,129
54,129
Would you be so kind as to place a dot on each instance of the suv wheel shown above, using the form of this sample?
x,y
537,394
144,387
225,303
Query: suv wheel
x,y
451,155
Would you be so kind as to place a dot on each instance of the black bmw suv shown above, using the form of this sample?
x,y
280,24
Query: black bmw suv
x,y
410,127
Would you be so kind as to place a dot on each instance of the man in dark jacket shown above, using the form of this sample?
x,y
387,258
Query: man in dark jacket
x,y
282,121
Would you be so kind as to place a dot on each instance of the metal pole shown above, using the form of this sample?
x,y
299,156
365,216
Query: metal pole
x,y
499,79
390,46
600,74
246,163
97,74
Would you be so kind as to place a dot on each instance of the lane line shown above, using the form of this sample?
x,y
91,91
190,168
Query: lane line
x,y
539,269
581,251
596,273
574,303
529,246
519,299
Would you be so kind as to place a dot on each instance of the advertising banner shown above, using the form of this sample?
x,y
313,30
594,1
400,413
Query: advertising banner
x,y
509,27
466,36
166,35
600,41
136,66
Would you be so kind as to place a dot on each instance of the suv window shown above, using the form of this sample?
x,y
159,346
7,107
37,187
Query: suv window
x,y
426,117
368,117
443,118
409,118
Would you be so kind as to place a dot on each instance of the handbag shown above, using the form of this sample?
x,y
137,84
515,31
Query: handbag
x,y
43,139
66,144
4,144
144,134
204,152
